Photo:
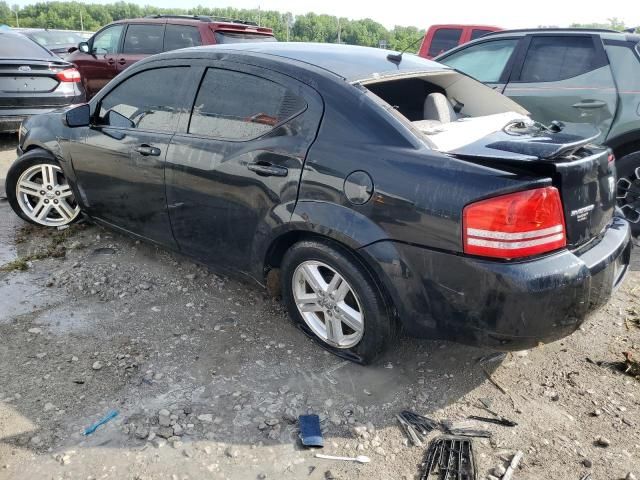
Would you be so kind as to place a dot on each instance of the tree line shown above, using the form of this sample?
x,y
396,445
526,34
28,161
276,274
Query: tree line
x,y
307,28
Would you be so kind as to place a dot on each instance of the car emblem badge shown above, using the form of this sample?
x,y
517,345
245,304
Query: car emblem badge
x,y
24,68
582,214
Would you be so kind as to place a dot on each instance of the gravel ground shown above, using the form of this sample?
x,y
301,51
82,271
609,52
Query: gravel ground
x,y
208,375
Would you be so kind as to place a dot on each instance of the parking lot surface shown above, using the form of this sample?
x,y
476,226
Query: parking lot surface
x,y
208,375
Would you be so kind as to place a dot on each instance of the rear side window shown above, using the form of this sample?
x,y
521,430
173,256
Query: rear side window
x,y
143,39
238,106
181,36
477,33
485,61
551,59
444,39
107,40
240,37
157,108
18,46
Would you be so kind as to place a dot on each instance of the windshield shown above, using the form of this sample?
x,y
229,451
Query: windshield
x,y
18,46
242,37
54,38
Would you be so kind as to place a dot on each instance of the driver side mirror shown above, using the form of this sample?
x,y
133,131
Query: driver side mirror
x,y
79,116
83,47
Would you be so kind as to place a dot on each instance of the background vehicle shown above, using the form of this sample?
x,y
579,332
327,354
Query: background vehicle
x,y
590,76
33,80
440,38
57,41
290,158
120,44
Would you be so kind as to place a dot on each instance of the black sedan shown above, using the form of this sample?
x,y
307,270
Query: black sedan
x,y
33,80
381,192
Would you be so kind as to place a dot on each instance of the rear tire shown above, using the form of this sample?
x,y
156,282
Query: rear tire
x,y
38,192
333,299
628,189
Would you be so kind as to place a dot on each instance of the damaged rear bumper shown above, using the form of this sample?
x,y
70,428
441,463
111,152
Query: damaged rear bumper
x,y
502,305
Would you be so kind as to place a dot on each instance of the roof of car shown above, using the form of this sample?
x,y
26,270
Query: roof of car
x,y
612,34
347,61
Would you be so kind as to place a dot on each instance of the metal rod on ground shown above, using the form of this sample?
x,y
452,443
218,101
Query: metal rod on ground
x,y
514,464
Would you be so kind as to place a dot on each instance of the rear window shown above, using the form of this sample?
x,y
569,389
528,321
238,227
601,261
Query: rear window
x,y
181,36
477,33
444,39
241,37
551,59
18,46
143,39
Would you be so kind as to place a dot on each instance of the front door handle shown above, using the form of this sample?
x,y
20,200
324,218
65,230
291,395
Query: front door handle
x,y
268,170
590,104
148,150
122,61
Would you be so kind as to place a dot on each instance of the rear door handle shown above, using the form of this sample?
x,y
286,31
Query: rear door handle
x,y
122,61
268,170
148,150
590,104
111,61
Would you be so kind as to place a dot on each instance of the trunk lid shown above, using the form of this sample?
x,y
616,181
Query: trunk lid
x,y
21,78
582,171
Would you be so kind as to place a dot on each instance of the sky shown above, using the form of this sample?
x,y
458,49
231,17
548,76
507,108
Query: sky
x,y
424,13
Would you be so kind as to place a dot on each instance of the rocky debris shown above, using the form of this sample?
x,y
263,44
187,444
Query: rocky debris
x,y
587,463
232,452
205,418
35,331
602,442
499,471
630,476
97,365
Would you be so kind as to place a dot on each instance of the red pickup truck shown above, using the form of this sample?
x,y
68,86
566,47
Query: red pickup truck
x,y
440,38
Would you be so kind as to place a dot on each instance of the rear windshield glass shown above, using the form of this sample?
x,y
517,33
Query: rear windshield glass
x,y
240,37
52,39
17,46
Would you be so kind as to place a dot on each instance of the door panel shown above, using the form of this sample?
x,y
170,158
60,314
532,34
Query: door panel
x,y
121,185
566,78
120,167
226,195
99,67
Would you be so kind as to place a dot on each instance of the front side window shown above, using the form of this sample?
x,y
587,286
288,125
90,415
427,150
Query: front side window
x,y
444,39
143,39
181,36
239,106
485,61
106,42
147,100
551,59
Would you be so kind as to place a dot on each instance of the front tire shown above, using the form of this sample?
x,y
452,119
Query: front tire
x,y
333,299
39,193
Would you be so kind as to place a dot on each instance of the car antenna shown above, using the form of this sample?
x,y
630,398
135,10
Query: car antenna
x,y
397,57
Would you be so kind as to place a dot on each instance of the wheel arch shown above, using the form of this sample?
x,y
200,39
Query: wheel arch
x,y
624,144
325,222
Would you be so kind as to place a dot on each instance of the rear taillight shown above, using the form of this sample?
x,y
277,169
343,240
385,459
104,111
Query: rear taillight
x,y
515,225
68,75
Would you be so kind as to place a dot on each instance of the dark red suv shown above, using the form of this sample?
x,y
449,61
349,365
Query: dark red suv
x,y
122,43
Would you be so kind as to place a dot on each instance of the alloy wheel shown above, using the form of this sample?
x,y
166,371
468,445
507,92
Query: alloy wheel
x,y
328,304
45,196
628,195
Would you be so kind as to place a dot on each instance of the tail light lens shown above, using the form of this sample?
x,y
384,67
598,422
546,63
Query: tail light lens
x,y
68,75
516,225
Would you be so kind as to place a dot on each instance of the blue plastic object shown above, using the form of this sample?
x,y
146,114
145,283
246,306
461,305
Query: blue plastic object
x,y
107,418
